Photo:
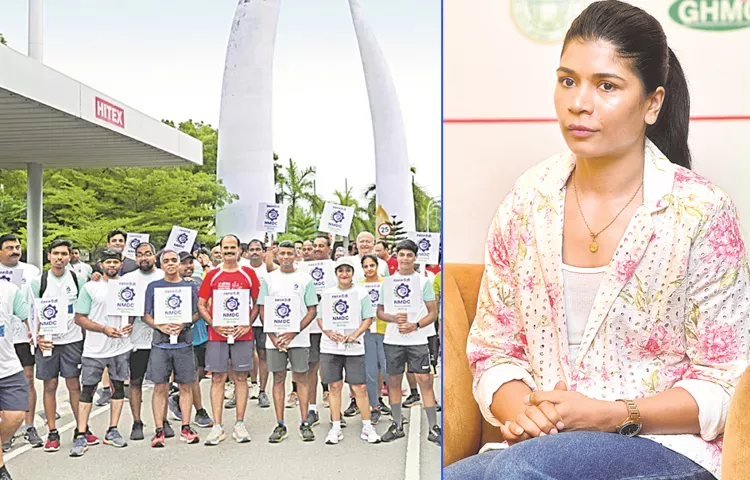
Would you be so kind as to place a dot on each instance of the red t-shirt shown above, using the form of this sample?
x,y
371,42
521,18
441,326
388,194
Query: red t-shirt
x,y
392,265
434,268
218,279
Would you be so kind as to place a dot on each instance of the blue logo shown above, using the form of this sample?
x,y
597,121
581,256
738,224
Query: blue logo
x,y
374,295
126,294
49,312
317,274
338,216
134,243
402,291
174,302
182,238
424,245
272,214
283,310
4,278
340,307
232,304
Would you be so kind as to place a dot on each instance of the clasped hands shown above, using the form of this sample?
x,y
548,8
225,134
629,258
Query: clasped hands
x,y
548,413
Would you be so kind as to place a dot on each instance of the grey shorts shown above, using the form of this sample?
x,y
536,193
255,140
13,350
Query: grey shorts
x,y
417,357
92,368
165,361
299,358
260,338
218,355
14,393
333,366
315,347
65,362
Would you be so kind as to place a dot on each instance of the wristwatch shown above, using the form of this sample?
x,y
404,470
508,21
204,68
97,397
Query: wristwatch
x,y
631,426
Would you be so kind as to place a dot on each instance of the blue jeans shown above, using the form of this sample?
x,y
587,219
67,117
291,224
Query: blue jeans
x,y
579,456
374,363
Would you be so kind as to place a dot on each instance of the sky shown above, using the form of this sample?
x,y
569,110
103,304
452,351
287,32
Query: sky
x,y
166,59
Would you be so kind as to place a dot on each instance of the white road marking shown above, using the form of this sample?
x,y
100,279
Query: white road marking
x,y
412,445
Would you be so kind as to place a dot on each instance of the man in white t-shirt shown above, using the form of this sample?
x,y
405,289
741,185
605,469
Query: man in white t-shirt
x,y
10,256
14,389
343,350
307,251
292,347
107,345
66,348
145,258
405,341
82,269
260,371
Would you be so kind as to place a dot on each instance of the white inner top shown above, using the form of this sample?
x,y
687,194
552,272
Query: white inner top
x,y
580,286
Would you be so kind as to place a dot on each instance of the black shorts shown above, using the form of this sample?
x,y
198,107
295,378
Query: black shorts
x,y
65,362
23,351
165,361
138,366
14,393
416,357
200,355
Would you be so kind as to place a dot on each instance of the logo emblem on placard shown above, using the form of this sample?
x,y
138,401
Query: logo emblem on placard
x,y
317,274
134,243
182,238
283,310
340,307
232,304
126,294
338,216
272,214
5,278
49,312
374,295
402,290
545,21
424,245
174,301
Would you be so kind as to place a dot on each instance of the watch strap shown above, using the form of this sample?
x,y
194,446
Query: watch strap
x,y
634,414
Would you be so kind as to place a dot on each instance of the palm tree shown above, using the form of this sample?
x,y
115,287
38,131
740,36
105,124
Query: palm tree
x,y
295,185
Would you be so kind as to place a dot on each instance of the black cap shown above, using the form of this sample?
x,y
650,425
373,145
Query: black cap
x,y
185,255
110,253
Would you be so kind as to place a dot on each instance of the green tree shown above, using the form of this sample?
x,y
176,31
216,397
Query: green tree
x,y
208,135
296,184
302,227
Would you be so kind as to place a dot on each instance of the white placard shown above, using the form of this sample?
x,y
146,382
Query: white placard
x,y
336,219
322,274
126,297
373,290
341,311
272,217
52,315
173,305
231,308
14,276
428,247
181,239
281,314
402,294
132,242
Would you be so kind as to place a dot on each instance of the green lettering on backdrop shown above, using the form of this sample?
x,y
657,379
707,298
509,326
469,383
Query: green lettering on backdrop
x,y
714,15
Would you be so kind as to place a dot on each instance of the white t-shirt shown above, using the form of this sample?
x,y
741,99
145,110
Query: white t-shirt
x,y
142,333
262,273
305,269
92,302
9,362
15,304
365,309
297,284
419,337
82,270
20,331
63,286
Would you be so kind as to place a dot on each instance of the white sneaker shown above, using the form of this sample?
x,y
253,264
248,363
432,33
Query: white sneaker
x,y
240,433
369,434
334,435
216,436
228,391
253,390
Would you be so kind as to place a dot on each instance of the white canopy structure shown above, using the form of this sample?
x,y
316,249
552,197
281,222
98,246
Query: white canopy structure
x,y
48,119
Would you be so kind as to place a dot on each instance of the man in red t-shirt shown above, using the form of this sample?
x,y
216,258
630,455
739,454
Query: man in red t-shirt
x,y
381,250
229,276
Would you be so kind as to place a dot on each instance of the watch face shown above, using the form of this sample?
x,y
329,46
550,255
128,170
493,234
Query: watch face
x,y
630,429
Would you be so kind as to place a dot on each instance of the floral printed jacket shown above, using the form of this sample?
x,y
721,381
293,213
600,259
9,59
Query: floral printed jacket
x,y
674,303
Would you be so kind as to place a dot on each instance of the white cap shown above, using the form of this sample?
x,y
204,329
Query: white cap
x,y
344,261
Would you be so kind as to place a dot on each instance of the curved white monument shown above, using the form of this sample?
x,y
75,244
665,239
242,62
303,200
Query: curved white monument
x,y
245,151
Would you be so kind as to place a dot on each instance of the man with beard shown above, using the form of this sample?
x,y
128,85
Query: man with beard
x,y
82,269
142,335
106,345
10,256
229,276
66,348
307,251
216,256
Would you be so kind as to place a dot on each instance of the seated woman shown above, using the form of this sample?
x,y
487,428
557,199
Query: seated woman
x,y
612,322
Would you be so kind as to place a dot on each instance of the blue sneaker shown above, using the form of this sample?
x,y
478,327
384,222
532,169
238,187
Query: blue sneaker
x,y
80,446
174,406
114,438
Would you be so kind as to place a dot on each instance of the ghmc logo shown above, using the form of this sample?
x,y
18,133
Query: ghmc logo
x,y
232,304
340,307
126,294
